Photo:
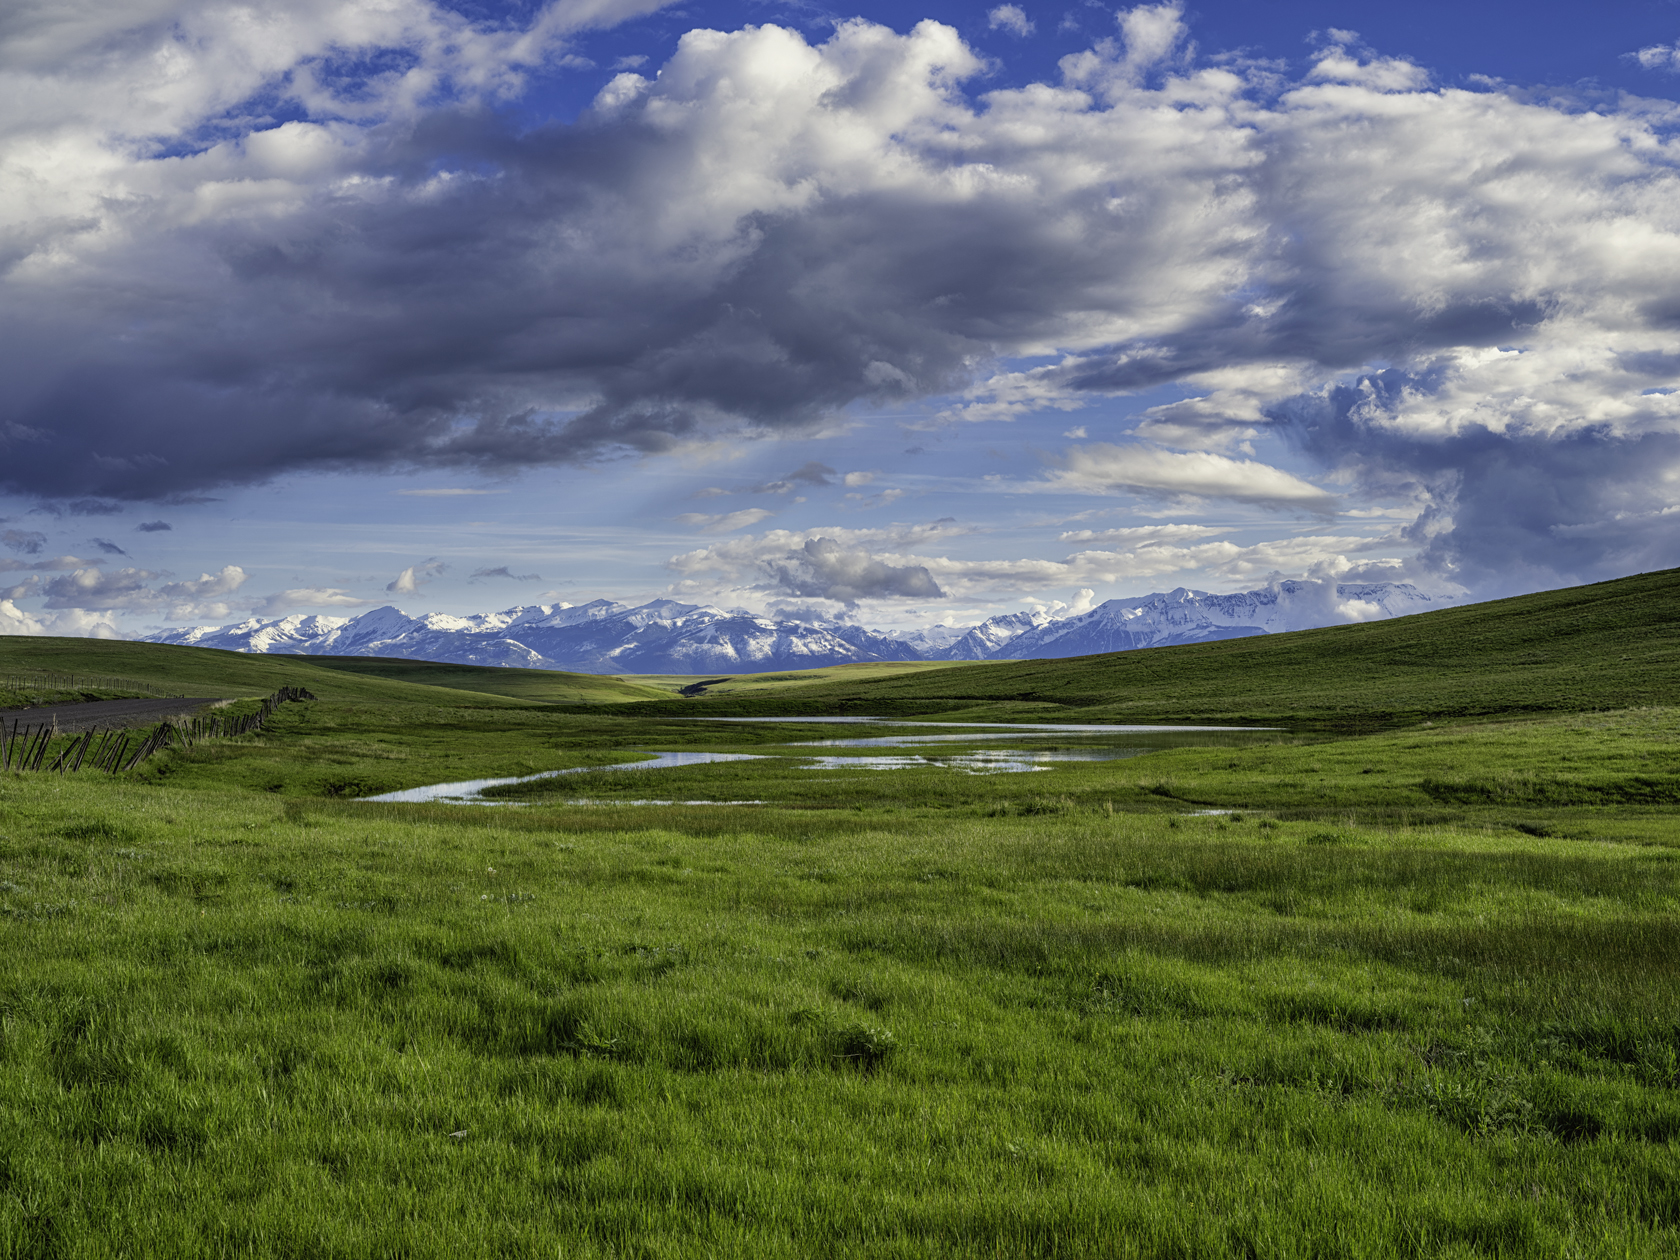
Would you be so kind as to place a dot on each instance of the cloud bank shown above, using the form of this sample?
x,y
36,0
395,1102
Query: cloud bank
x,y
276,258
833,571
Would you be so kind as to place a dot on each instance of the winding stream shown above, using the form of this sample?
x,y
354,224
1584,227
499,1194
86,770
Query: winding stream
x,y
986,761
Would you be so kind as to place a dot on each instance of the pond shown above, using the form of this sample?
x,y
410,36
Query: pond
x,y
986,761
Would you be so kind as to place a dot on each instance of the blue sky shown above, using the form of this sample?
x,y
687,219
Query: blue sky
x,y
867,313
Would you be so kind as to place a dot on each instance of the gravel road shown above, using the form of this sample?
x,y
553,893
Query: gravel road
x,y
105,715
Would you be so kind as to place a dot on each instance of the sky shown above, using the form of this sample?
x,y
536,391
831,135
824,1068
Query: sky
x,y
883,314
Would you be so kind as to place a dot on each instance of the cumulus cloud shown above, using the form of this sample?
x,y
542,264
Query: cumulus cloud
x,y
130,590
1658,57
825,568
412,578
767,231
13,620
1009,17
842,565
892,566
74,623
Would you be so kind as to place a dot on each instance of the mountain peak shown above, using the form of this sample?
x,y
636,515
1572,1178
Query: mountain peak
x,y
666,636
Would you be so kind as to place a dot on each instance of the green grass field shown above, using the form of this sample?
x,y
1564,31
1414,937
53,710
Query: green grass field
x,y
1612,645
1412,993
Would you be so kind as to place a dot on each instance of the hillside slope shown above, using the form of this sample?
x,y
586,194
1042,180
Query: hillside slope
x,y
540,686
233,675
1610,645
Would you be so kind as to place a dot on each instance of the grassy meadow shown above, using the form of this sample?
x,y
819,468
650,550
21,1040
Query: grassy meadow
x,y
1372,985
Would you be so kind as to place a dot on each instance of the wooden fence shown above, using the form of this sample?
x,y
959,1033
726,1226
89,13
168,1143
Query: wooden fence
x,y
24,680
32,748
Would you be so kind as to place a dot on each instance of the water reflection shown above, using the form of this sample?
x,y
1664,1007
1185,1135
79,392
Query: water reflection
x,y
981,761
470,791
986,761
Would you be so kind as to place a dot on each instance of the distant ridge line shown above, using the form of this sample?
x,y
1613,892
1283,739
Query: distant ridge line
x,y
667,637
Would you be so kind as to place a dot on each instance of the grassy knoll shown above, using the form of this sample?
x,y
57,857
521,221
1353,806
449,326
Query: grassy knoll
x,y
544,686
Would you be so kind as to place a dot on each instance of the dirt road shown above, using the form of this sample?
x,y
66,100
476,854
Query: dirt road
x,y
104,715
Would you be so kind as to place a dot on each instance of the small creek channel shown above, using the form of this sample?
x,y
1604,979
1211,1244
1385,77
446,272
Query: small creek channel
x,y
986,761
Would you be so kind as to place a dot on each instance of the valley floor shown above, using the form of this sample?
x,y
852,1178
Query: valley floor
x,y
1412,994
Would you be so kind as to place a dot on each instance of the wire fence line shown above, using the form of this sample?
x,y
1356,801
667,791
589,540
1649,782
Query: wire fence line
x,y
32,749
25,680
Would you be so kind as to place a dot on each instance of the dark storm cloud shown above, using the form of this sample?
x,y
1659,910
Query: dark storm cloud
x,y
26,542
107,547
825,568
1505,512
502,571
153,527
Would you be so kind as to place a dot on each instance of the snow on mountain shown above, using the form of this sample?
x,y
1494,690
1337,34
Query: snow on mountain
x,y
667,637
1186,616
988,640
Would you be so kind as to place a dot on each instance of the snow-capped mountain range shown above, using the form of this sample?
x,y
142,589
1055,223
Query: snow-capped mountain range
x,y
665,637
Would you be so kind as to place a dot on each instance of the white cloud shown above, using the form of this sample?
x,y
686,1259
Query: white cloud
x,y
411,579
130,590
1139,535
13,620
72,623
282,602
1011,18
1658,57
1102,468
896,567
1229,413
725,523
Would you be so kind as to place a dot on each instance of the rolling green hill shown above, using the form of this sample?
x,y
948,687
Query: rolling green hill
x,y
542,686
1610,645
213,672
233,675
